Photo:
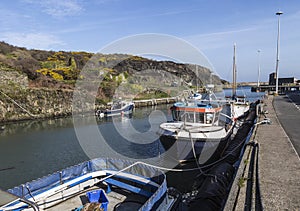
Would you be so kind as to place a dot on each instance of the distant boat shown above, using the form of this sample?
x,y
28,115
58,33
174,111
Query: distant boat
x,y
195,96
198,127
104,184
118,107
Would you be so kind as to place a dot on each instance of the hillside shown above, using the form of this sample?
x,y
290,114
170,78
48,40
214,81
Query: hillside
x,y
26,71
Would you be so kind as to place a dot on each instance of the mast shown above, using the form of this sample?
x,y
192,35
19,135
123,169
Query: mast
x,y
258,76
234,72
197,89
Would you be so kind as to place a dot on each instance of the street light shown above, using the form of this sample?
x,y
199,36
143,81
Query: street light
x,y
258,60
277,54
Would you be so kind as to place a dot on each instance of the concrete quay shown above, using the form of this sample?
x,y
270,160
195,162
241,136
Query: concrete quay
x,y
278,166
154,102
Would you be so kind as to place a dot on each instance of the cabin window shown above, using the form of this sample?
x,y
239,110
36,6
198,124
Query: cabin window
x,y
175,115
209,118
200,117
189,117
216,117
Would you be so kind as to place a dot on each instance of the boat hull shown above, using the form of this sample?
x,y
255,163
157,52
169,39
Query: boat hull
x,y
204,151
125,110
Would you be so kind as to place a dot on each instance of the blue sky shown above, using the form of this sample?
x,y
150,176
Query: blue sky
x,y
212,26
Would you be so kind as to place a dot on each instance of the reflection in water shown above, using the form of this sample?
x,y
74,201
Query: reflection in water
x,y
32,149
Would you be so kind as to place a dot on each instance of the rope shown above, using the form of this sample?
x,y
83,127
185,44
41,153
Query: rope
x,y
30,203
258,201
12,100
29,191
265,121
194,153
249,190
193,169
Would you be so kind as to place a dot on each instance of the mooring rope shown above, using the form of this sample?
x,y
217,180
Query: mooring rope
x,y
12,100
258,201
193,169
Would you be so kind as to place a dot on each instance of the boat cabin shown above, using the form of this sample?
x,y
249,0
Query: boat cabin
x,y
240,100
204,113
118,105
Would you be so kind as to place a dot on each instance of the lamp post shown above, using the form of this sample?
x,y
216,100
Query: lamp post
x,y
277,54
258,75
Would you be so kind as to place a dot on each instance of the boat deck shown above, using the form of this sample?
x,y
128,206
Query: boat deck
x,y
117,200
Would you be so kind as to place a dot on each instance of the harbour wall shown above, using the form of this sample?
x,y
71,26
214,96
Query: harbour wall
x,y
34,104
153,102
30,103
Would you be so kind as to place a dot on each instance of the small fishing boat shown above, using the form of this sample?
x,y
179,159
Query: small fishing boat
x,y
98,184
200,130
239,106
119,107
195,96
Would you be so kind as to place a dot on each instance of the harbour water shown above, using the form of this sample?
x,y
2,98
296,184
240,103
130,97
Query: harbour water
x,y
245,91
33,149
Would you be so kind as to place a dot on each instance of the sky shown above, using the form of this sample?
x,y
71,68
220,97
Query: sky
x,y
211,26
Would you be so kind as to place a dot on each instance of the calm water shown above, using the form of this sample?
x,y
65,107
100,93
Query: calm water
x,y
33,149
245,90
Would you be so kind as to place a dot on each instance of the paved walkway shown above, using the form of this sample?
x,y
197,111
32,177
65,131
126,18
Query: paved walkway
x,y
279,164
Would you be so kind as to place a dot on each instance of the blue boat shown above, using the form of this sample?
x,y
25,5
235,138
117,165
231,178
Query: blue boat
x,y
107,184
117,108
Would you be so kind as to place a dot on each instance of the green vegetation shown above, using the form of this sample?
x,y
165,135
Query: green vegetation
x,y
242,181
151,95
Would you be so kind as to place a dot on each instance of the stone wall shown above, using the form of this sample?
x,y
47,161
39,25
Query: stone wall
x,y
38,103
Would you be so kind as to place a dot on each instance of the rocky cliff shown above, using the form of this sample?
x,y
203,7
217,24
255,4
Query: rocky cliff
x,y
38,84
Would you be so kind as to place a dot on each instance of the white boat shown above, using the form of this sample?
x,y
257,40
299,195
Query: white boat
x,y
200,130
240,106
195,96
119,107
106,184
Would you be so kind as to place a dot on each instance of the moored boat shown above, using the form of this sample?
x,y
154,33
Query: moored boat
x,y
195,96
239,106
106,184
117,108
200,130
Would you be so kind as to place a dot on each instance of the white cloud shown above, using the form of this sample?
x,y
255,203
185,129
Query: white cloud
x,y
217,40
58,8
32,40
